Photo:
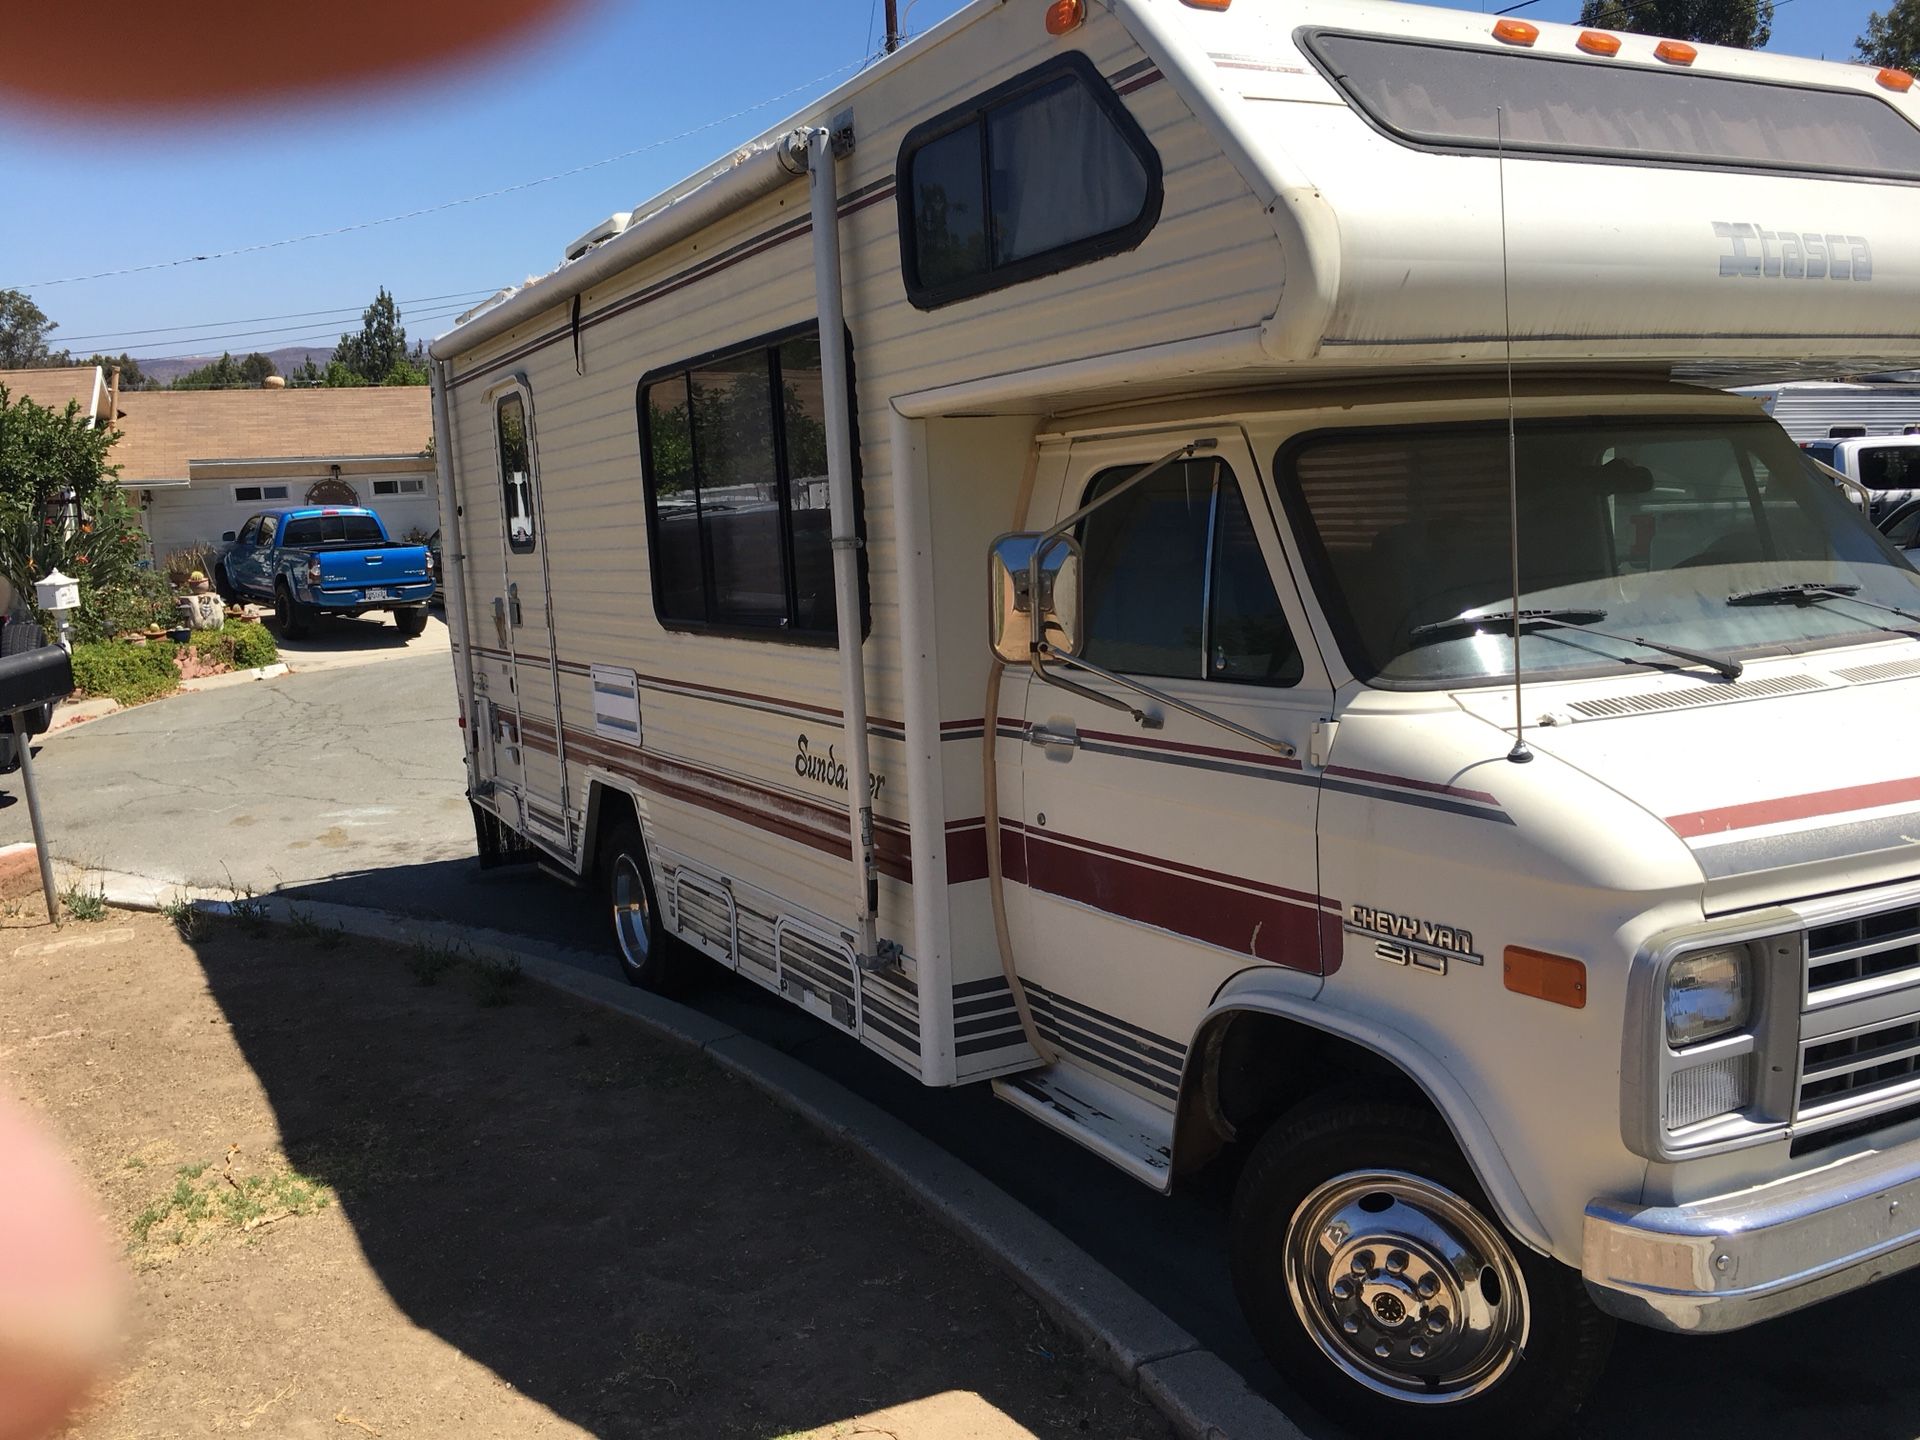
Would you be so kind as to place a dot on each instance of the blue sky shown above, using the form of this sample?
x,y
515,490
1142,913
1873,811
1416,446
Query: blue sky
x,y
84,199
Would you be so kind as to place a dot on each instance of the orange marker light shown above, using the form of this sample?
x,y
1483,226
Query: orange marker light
x,y
1209,4
1546,977
1675,52
1598,42
1065,15
1515,32
1896,80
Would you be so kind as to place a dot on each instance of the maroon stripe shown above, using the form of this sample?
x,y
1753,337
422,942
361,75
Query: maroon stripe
x,y
1151,77
1211,752
1795,807
1431,787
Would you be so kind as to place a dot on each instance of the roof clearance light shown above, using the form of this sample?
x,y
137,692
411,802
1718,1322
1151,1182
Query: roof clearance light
x,y
1208,4
1675,52
1065,15
1896,80
1516,32
1597,42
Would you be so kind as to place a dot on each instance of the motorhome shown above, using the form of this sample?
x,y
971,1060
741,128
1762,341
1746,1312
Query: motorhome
x,y
1184,560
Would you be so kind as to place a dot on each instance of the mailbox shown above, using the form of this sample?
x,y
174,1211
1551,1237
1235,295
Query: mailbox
x,y
34,678
57,592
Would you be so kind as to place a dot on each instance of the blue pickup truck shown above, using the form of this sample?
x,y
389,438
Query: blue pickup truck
x,y
325,560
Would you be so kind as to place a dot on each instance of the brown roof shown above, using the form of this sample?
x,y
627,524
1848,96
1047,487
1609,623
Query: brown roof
x,y
53,388
162,430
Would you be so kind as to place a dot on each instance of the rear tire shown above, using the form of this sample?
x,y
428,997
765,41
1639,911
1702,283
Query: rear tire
x,y
649,956
1381,1283
412,620
289,615
222,586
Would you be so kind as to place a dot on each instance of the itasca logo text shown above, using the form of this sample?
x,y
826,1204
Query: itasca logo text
x,y
1792,254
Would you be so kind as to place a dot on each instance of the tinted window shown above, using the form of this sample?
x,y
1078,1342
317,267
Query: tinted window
x,y
1890,467
311,530
516,473
1148,557
1446,95
1042,173
268,525
737,494
249,532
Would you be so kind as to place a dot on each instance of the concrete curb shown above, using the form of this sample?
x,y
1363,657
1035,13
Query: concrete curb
x,y
1201,1396
233,677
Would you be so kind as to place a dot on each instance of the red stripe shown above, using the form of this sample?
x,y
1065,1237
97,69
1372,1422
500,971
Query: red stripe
x,y
1432,787
1796,807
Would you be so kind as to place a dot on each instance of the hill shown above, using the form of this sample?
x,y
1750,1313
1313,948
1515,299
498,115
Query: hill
x,y
288,358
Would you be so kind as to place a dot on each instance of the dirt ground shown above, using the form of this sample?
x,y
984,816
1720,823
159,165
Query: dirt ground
x,y
373,1191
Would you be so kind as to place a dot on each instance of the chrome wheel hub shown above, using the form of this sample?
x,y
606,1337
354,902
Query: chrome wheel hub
x,y
631,917
1405,1286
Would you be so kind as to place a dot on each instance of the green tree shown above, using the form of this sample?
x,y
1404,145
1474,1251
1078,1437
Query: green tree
x,y
257,367
221,374
1893,36
1745,24
24,328
379,349
132,377
61,507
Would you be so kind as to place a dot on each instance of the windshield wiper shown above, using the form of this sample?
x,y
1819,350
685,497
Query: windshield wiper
x,y
1581,620
1812,592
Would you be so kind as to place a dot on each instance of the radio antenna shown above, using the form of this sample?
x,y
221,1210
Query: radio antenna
x,y
1520,753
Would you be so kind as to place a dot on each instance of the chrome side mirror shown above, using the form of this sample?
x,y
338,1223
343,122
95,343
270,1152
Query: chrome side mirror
x,y
1017,566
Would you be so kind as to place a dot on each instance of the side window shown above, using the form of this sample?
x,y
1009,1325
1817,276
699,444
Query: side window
x,y
516,472
1176,585
1042,173
249,532
735,450
268,525
1890,467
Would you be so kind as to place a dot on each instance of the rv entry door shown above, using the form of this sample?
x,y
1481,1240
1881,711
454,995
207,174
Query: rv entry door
x,y
534,765
1160,861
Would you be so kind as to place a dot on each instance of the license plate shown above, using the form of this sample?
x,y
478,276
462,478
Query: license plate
x,y
377,595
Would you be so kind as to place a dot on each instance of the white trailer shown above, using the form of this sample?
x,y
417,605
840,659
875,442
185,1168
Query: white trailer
x,y
1810,410
1304,369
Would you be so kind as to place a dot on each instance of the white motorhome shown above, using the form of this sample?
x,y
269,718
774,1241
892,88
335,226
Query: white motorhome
x,y
1024,560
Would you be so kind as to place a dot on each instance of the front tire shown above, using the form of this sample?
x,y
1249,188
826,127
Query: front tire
x,y
412,620
649,956
290,616
1379,1281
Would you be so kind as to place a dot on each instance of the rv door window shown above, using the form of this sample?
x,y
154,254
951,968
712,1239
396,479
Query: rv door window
x,y
737,496
1176,586
1042,173
516,472
1427,93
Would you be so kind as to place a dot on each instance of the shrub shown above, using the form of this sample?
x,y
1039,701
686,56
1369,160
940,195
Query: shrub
x,y
185,561
239,645
128,673
129,604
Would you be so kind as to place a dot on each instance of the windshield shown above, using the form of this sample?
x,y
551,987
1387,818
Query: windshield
x,y
1890,467
1655,524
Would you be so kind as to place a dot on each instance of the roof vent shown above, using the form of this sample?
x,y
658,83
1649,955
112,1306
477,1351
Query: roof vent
x,y
1693,696
600,234
1885,670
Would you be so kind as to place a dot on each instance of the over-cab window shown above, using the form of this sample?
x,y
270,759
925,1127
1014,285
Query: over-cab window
x,y
1042,173
516,472
738,524
1176,585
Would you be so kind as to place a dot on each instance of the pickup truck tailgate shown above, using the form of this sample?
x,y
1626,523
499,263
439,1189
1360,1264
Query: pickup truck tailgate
x,y
357,569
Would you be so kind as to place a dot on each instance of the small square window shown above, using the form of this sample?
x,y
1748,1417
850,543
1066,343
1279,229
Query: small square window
x,y
246,494
399,487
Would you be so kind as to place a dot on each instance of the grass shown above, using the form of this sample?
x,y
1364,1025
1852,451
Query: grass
x,y
305,927
188,918
428,960
206,1200
247,907
83,903
494,981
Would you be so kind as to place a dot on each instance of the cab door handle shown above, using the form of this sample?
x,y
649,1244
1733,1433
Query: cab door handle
x,y
1047,736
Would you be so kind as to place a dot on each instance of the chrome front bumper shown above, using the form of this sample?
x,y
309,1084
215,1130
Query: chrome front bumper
x,y
1737,1259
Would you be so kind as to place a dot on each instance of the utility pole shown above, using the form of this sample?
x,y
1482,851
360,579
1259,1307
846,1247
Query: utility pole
x,y
893,26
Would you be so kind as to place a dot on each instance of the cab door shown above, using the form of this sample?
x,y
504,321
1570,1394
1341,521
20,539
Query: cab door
x,y
532,739
1158,861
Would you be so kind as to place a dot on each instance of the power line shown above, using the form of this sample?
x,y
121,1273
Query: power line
x,y
283,340
445,204
426,313
347,310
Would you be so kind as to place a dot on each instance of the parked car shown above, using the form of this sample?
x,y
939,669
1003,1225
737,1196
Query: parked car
x,y
319,561
1888,466
439,570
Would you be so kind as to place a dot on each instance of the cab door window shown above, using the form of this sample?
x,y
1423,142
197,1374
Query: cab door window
x,y
1176,585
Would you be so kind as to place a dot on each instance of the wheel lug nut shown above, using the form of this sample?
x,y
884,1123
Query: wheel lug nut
x,y
1342,1290
1383,1350
1428,1287
1437,1320
1418,1349
1397,1262
1350,1325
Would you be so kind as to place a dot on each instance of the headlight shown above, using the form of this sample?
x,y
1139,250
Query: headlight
x,y
1709,993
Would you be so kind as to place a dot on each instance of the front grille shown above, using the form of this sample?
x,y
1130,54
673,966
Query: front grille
x,y
1868,947
1860,1065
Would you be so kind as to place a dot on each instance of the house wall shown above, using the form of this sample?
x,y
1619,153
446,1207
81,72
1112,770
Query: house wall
x,y
204,510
